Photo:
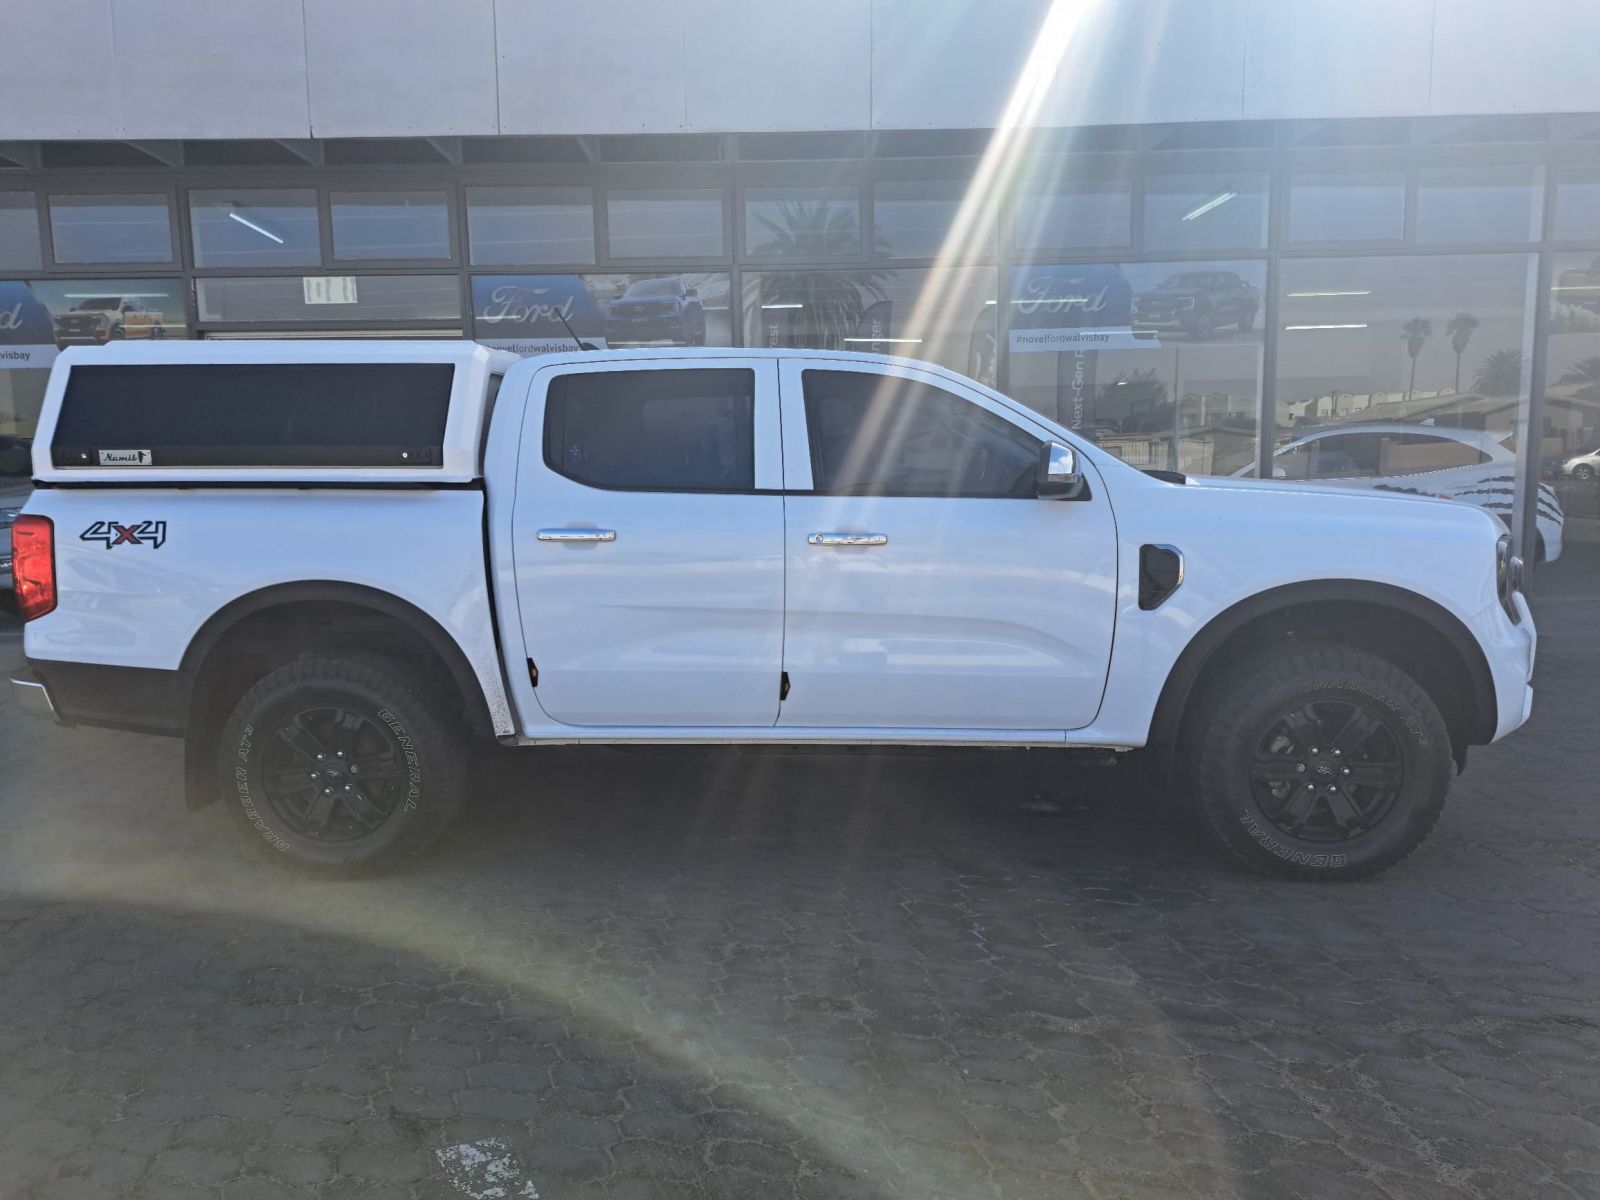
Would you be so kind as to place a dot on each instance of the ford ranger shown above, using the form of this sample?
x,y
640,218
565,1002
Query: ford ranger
x,y
334,568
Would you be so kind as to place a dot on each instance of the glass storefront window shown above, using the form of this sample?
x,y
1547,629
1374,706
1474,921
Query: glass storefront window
x,y
111,229
1206,212
1405,373
1160,363
19,231
1570,447
802,222
390,226
1462,205
255,228
943,315
665,223
321,300
518,226
1079,214
525,313
1578,205
912,218
1369,207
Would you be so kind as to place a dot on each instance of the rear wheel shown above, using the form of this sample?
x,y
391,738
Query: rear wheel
x,y
340,764
1319,761
1583,471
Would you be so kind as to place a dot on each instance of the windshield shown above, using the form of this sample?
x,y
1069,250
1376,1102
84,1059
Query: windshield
x,y
98,303
1188,282
654,287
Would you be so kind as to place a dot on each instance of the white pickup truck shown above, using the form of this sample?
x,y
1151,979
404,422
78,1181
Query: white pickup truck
x,y
332,566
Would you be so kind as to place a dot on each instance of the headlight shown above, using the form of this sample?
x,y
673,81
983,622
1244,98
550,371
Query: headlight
x,y
1507,576
1186,302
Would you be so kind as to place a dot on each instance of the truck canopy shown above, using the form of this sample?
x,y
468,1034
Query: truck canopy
x,y
268,411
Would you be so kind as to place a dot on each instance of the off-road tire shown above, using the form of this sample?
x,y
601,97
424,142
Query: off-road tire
x,y
424,755
1257,699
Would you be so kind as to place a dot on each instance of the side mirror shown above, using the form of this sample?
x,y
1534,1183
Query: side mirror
x,y
1059,478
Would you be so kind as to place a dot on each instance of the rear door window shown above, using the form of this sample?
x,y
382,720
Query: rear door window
x,y
653,430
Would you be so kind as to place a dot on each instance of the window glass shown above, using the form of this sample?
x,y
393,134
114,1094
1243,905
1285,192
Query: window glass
x,y
1160,363
1368,207
19,231
319,300
664,223
390,226
912,218
944,315
802,222
1478,204
21,397
513,226
525,313
266,414
889,436
1086,214
258,228
1206,212
110,229
1570,449
1420,355
1578,205
659,431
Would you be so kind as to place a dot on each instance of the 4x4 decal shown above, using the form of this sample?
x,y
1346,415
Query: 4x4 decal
x,y
139,533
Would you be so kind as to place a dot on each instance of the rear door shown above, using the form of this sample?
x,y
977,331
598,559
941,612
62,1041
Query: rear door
x,y
928,587
648,542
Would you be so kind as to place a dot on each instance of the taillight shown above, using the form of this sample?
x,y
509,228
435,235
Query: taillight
x,y
33,564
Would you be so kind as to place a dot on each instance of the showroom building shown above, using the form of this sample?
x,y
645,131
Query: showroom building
x,y
1321,240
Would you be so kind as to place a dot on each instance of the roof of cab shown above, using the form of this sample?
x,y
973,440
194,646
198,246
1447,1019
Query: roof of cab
x,y
288,350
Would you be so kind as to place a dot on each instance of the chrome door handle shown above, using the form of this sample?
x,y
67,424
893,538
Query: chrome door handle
x,y
848,539
577,535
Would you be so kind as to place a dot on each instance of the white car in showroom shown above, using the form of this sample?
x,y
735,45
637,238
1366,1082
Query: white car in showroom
x,y
1472,465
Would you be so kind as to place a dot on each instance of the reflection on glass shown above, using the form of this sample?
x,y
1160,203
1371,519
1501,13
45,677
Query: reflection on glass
x,y
514,226
532,314
256,228
1367,207
1408,374
947,316
19,231
802,222
1461,205
664,223
1570,450
110,229
376,298
911,218
1205,212
1578,205
1160,363
390,226
1086,214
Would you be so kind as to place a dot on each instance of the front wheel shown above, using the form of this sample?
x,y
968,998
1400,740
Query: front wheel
x,y
1583,471
339,764
1319,761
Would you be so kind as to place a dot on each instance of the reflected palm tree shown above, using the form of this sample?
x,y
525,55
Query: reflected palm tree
x,y
826,306
1460,330
1415,334
1585,372
1499,375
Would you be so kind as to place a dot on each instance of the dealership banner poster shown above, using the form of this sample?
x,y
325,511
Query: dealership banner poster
x,y
1069,309
541,314
40,318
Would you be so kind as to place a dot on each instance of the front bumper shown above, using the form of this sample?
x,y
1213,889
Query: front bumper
x,y
1510,651
33,697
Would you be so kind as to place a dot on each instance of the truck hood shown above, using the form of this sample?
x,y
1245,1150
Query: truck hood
x,y
1282,486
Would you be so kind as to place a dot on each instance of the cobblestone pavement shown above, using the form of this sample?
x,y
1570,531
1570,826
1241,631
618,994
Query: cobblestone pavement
x,y
661,974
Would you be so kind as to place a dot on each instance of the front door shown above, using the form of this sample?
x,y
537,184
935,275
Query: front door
x,y
927,586
648,532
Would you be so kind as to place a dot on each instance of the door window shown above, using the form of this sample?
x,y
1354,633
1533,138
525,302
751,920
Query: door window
x,y
1337,456
1413,453
653,431
885,435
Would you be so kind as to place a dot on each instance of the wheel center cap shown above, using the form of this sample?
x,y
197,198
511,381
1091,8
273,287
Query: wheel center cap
x,y
1324,770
